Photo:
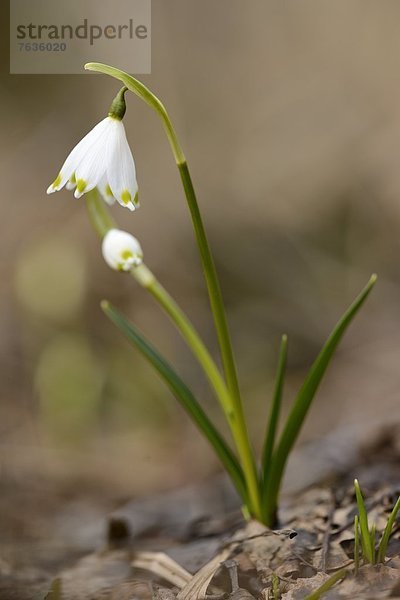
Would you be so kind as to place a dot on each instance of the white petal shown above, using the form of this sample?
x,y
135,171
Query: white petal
x,y
121,172
105,191
75,156
92,165
121,250
71,183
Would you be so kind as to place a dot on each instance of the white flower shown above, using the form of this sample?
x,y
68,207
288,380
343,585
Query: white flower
x,y
104,160
121,250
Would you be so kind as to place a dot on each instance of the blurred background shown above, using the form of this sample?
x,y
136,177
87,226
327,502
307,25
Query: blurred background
x,y
289,114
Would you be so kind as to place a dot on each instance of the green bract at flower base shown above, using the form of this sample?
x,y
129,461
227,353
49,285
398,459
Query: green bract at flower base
x,y
258,488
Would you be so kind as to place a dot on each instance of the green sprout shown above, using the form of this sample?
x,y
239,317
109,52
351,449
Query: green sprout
x,y
367,534
257,481
356,545
329,583
276,591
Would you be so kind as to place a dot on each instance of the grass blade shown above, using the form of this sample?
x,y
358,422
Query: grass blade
x,y
183,394
372,536
356,544
329,583
388,530
365,533
55,592
276,592
273,416
304,399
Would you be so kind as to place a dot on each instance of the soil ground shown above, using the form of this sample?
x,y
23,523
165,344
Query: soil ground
x,y
76,545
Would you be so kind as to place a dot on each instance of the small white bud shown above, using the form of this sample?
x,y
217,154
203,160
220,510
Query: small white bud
x,y
121,250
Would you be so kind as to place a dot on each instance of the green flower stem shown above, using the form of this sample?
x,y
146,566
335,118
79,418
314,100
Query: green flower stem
x,y
218,310
214,290
102,222
145,278
98,214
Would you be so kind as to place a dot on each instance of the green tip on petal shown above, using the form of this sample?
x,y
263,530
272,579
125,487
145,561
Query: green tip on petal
x,y
81,185
57,181
126,197
126,254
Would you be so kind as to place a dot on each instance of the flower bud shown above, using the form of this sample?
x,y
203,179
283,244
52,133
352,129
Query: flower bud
x,y
121,250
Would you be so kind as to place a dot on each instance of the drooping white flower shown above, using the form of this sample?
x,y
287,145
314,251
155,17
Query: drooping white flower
x,y
104,160
121,250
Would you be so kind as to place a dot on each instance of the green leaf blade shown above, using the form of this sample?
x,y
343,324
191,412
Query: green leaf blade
x,y
366,542
273,416
329,583
356,544
304,399
388,530
183,395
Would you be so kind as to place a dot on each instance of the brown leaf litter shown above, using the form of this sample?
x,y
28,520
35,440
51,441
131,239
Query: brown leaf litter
x,y
192,544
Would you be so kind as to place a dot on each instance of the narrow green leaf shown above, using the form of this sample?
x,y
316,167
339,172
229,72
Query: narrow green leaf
x,y
372,536
273,416
365,533
388,530
329,583
276,591
356,544
183,394
304,399
55,592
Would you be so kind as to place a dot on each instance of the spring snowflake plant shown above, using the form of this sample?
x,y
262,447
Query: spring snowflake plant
x,y
101,167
